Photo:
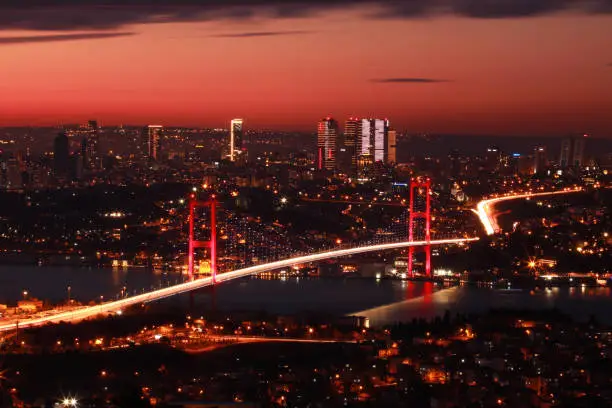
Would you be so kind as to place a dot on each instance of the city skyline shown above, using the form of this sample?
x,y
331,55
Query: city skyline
x,y
491,69
299,203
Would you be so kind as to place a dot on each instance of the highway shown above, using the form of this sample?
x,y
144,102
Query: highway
x,y
269,339
488,219
226,341
115,306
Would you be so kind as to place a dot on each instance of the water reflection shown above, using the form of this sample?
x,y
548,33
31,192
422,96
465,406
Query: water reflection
x,y
383,301
580,303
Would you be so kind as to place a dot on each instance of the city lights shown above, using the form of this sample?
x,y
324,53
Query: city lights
x,y
343,218
69,402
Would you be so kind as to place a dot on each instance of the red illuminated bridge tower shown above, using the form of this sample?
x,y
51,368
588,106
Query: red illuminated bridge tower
x,y
420,188
211,244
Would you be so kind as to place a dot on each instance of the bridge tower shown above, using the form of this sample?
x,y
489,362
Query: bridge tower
x,y
420,187
211,244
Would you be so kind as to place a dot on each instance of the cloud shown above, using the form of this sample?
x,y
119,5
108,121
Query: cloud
x,y
403,80
260,34
59,37
112,14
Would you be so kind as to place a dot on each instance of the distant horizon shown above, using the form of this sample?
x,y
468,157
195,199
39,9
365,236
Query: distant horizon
x,y
310,131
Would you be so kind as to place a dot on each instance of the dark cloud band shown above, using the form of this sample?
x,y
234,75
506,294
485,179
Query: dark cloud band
x,y
111,14
260,34
59,37
410,80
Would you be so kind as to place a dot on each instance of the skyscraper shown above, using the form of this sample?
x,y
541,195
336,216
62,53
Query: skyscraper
x,y
373,139
327,133
572,152
380,129
61,160
236,136
91,151
154,144
391,147
540,161
364,140
352,133
369,137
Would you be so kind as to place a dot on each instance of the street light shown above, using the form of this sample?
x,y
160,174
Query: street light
x,y
25,294
69,289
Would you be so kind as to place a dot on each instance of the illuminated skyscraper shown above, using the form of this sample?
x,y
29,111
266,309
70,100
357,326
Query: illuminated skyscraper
x,y
154,141
236,136
90,146
540,161
572,152
327,133
369,137
352,135
373,139
380,129
364,141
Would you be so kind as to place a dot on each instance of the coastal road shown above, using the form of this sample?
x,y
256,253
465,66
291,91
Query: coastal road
x,y
487,216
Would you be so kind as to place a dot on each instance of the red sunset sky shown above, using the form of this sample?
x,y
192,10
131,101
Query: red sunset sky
x,y
547,74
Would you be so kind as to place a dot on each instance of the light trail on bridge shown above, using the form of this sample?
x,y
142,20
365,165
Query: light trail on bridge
x,y
484,209
356,202
117,305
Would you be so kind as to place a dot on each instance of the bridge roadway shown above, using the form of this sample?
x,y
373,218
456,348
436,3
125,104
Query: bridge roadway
x,y
488,219
111,307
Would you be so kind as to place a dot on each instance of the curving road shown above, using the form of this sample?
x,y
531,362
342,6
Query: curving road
x,y
114,306
487,217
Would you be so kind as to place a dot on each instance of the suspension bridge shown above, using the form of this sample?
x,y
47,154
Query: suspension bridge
x,y
238,247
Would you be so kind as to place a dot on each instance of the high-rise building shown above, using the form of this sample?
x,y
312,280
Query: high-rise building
x,y
236,137
381,129
154,142
540,161
391,147
572,152
327,133
352,138
364,140
369,137
91,145
61,153
373,139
